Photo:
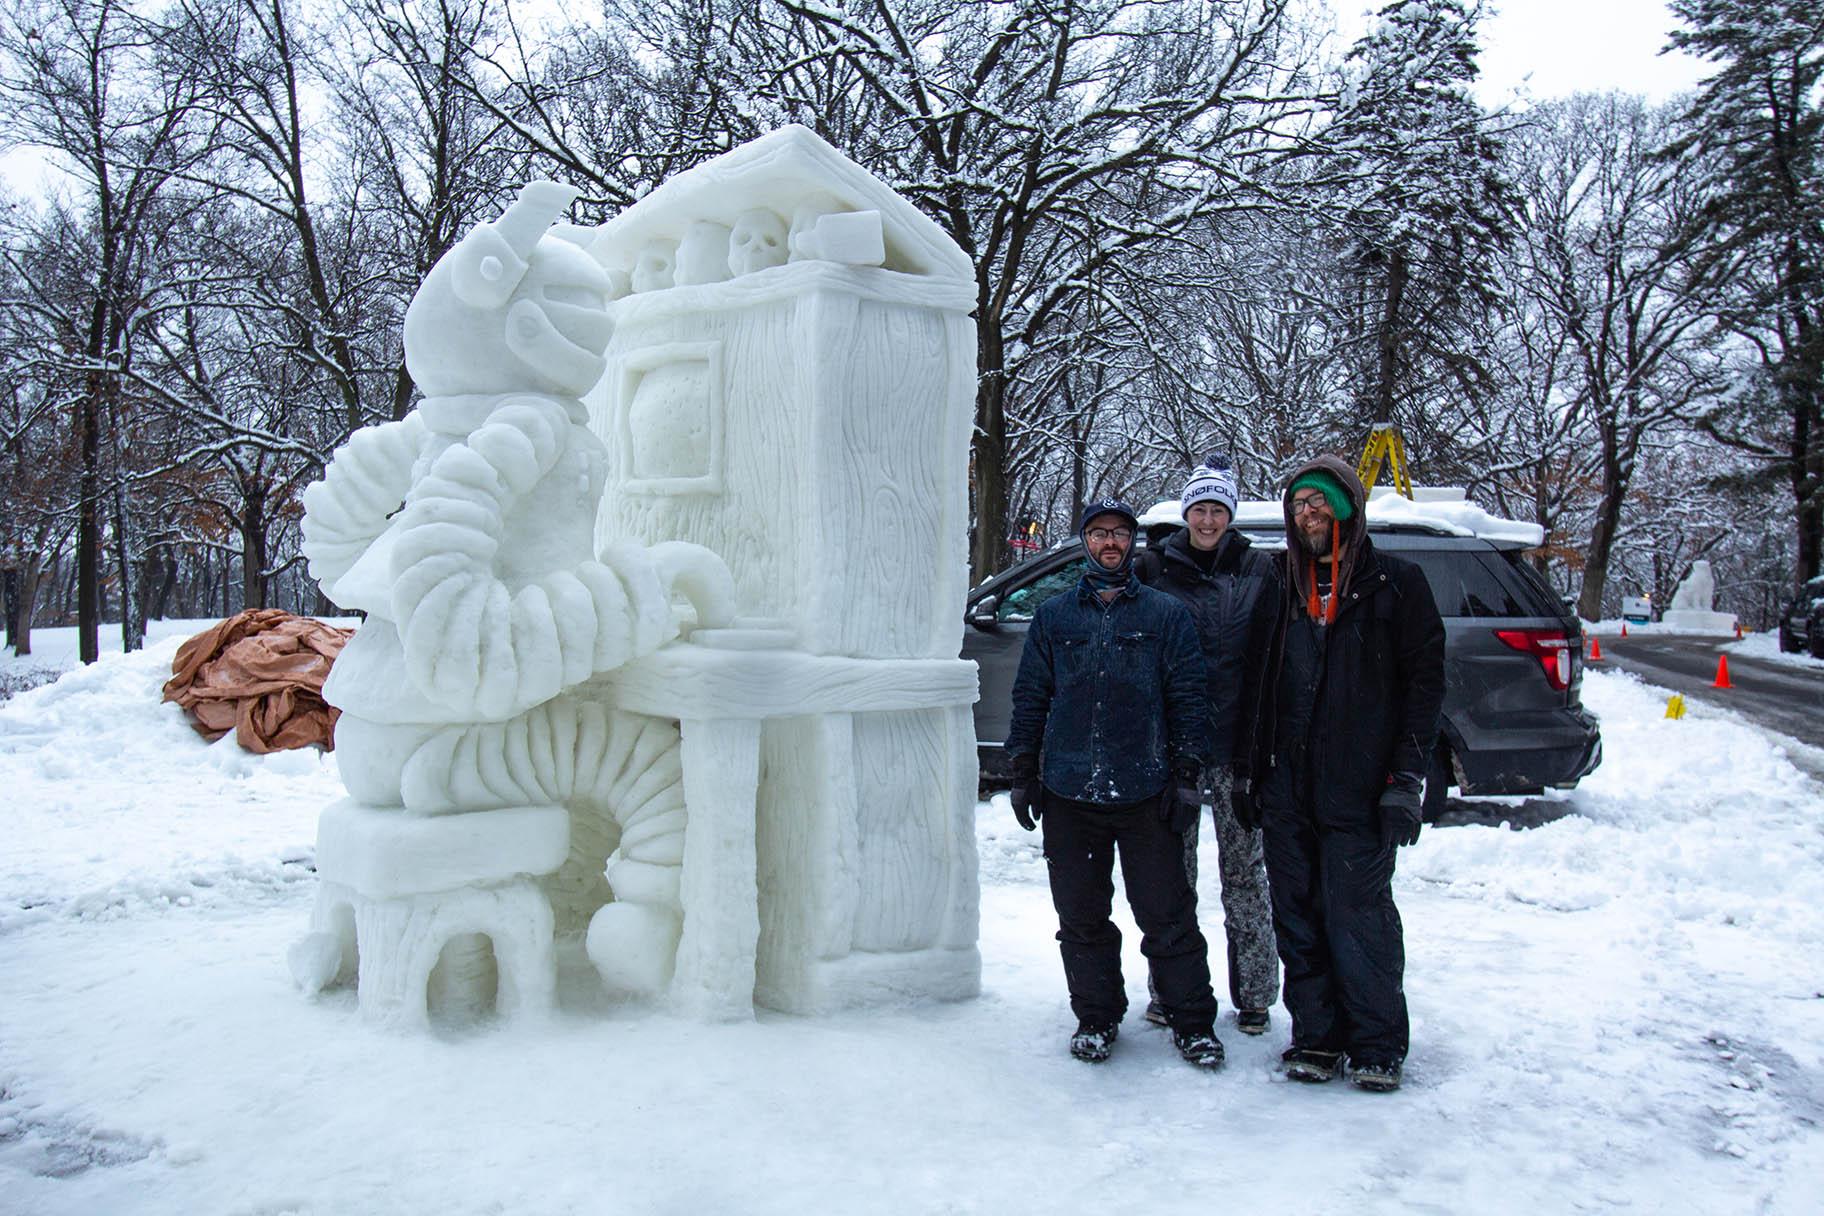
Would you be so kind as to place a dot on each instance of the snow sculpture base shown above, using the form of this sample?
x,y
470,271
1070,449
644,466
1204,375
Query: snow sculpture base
x,y
847,876
1693,620
416,904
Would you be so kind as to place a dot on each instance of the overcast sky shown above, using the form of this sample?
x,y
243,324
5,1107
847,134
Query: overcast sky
x,y
1540,49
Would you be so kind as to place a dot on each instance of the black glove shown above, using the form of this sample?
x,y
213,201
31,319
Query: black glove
x,y
1027,807
1241,798
1182,801
1400,809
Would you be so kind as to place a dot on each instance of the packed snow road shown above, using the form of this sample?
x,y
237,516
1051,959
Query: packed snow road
x,y
1785,697
1619,1011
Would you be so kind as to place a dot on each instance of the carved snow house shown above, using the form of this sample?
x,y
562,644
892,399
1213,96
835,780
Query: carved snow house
x,y
791,384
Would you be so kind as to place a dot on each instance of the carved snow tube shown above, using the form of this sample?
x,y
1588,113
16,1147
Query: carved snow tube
x,y
489,651
619,773
366,481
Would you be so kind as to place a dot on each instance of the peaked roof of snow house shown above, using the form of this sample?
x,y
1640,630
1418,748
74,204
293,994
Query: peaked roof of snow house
x,y
781,171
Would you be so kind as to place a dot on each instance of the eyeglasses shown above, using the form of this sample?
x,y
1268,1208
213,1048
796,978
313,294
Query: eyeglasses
x,y
1098,535
1309,502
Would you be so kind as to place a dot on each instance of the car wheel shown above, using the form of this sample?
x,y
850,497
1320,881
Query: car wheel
x,y
1437,784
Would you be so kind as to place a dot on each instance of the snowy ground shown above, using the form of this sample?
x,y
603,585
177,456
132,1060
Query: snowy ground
x,y
1767,646
1620,1011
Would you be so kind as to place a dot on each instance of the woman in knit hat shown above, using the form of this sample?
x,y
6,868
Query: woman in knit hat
x,y
1226,584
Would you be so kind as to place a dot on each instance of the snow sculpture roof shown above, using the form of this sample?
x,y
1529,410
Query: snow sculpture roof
x,y
1443,509
784,170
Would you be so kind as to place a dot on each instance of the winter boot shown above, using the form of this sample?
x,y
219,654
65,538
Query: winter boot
x,y
1093,1043
1199,1047
1155,1013
1379,1078
1310,1064
1252,1021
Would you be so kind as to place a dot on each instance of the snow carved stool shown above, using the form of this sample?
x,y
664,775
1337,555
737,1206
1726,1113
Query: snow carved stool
x,y
413,903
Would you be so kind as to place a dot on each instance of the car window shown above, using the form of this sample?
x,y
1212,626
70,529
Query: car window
x,y
1464,586
1021,604
1529,586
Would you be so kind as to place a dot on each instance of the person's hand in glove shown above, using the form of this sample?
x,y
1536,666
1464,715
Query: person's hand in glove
x,y
1025,793
1399,807
1182,801
1241,798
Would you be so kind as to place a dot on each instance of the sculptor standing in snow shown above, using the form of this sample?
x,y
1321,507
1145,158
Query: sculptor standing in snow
x,y
1230,591
1106,746
1349,713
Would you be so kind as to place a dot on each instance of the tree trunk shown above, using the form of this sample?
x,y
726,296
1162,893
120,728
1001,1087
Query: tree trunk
x,y
19,628
88,527
253,550
132,613
1387,368
1602,532
988,549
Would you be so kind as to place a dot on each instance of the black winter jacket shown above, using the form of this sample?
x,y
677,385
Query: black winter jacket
x,y
1344,706
1233,607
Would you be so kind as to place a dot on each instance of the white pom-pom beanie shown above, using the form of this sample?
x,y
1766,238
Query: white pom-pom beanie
x,y
1212,481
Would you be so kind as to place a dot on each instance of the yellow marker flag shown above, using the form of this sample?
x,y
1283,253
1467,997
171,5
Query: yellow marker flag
x,y
1675,708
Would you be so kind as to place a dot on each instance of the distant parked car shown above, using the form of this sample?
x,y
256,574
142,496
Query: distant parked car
x,y
1513,720
1802,620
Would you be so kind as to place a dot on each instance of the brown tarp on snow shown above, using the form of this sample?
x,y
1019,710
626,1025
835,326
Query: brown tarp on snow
x,y
259,674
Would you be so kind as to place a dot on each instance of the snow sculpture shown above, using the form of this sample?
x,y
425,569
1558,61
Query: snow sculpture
x,y
463,531
808,419
1691,610
757,242
553,720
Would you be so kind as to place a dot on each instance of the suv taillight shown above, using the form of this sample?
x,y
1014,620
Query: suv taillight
x,y
1550,646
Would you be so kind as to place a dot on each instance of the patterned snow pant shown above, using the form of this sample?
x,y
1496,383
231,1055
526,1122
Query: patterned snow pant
x,y
1247,911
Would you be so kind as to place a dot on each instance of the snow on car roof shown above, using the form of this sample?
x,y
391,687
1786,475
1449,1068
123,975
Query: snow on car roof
x,y
1443,509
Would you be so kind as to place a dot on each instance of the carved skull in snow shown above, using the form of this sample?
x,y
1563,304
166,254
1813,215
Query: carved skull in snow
x,y
757,242
656,267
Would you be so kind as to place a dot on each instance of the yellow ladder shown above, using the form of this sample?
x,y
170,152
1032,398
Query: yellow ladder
x,y
1384,443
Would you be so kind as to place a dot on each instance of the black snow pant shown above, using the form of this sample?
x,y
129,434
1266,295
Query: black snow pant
x,y
1081,841
1339,935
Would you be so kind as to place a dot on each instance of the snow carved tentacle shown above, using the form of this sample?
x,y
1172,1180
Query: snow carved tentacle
x,y
367,479
475,643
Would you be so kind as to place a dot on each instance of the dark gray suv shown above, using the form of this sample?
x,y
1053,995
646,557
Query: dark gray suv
x,y
1513,658
1802,620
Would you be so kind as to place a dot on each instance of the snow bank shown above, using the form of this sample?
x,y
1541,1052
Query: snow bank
x,y
116,802
1700,819
1766,645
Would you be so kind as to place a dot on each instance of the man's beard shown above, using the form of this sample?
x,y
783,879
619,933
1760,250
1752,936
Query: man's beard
x,y
1316,546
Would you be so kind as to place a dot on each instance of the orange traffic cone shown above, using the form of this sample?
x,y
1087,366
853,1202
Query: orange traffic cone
x,y
1624,629
1722,672
1595,650
1738,631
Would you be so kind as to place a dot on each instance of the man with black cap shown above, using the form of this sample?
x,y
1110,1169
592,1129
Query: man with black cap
x,y
1348,714
1106,747
1231,592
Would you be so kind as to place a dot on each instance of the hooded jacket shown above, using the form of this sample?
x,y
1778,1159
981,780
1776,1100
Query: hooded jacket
x,y
1345,704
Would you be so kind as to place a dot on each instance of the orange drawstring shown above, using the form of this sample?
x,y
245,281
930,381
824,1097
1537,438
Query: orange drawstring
x,y
1329,610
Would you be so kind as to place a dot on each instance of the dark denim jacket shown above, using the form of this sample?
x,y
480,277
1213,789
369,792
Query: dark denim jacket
x,y
1109,695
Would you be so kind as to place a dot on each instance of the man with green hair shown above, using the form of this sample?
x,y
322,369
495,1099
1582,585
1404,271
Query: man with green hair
x,y
1347,715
